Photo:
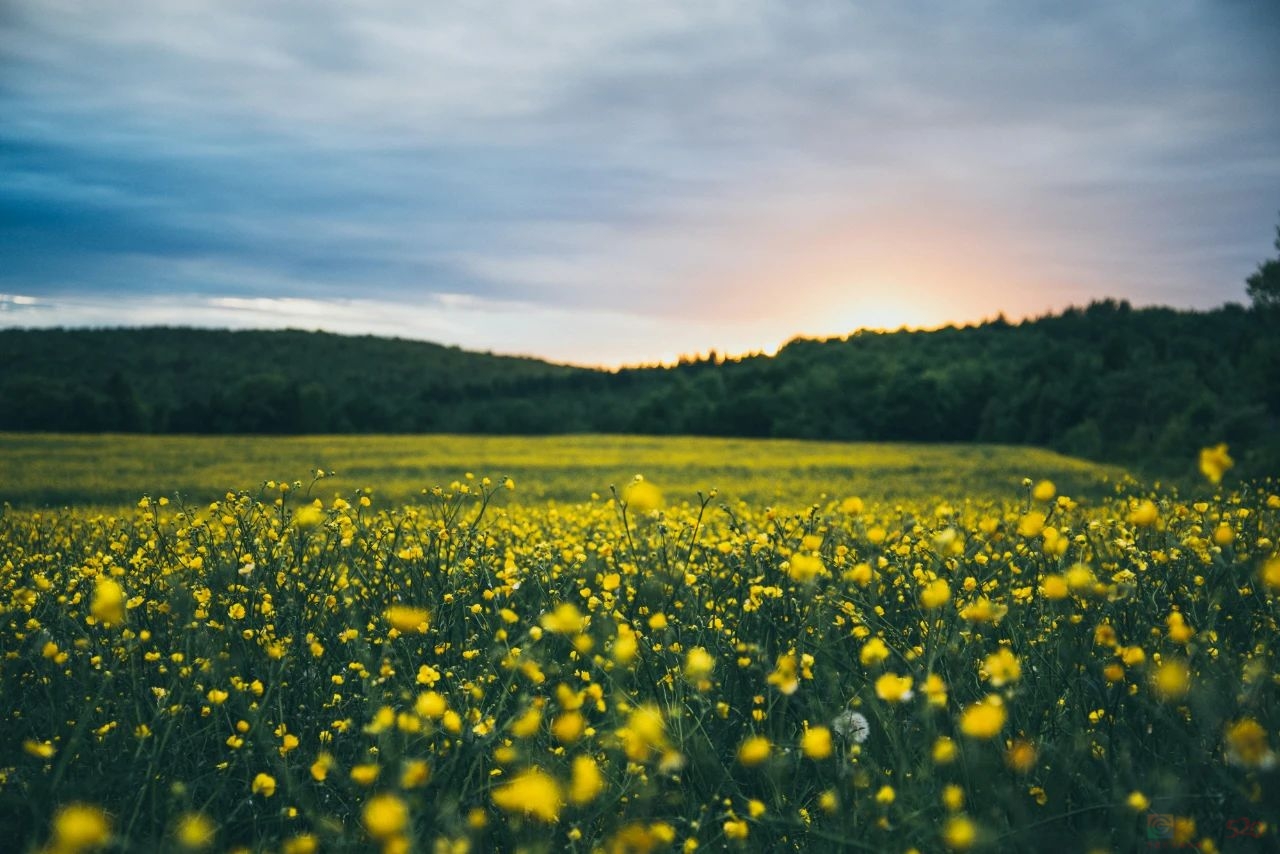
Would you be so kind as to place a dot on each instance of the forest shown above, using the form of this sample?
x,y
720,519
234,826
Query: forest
x,y
1147,386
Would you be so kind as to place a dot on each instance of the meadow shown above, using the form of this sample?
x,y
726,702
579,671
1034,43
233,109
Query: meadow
x,y
476,644
114,470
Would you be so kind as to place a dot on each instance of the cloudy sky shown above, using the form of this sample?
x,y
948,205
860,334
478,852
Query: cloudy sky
x,y
619,182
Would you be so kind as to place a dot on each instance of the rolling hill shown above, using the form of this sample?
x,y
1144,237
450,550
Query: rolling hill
x,y
1107,381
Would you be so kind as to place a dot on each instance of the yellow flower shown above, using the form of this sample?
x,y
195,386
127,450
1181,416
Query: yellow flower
x,y
873,652
308,516
1044,491
264,784
416,773
784,676
1080,578
194,831
625,645
1247,745
1214,463
698,664
320,768
1002,667
108,602
644,733
1132,656
736,829
302,844
754,750
1171,680
1271,574
407,619
983,610
944,751
1137,802
566,619
533,793
39,749
936,690
1179,631
1021,756
935,594
385,816
586,781
959,833
79,827
893,688
1144,514
568,727
816,742
641,497
983,719
430,704
804,569
886,795
527,724
1031,524
364,775
953,797
1054,586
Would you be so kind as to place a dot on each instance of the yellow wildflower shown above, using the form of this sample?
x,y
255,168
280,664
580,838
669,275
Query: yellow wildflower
x,y
407,619
108,602
983,719
385,816
532,792
79,827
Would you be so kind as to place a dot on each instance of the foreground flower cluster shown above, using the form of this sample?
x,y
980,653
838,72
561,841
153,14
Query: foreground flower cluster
x,y
470,673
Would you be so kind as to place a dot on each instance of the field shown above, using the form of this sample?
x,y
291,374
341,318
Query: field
x,y
477,644
51,469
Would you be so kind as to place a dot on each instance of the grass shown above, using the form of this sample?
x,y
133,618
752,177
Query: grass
x,y
52,470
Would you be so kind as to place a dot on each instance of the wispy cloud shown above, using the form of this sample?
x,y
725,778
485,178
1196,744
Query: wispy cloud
x,y
645,167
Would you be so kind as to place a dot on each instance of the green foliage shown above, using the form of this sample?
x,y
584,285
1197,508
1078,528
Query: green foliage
x,y
1143,386
1263,286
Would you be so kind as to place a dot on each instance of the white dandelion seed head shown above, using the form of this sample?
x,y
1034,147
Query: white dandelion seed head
x,y
852,725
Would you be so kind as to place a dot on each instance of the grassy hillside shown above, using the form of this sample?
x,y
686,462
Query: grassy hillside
x,y
1142,386
41,470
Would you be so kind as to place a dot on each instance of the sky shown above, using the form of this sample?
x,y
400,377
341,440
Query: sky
x,y
612,183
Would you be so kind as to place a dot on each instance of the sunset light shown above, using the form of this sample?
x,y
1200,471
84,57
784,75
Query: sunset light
x,y
608,186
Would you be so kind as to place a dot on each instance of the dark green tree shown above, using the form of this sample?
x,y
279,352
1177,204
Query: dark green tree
x,y
1263,286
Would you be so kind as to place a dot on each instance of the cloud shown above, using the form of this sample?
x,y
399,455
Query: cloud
x,y
657,163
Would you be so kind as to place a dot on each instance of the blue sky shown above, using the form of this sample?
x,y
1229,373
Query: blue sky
x,y
611,183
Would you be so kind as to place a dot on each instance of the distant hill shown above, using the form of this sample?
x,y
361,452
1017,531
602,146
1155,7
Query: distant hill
x,y
176,380
1107,381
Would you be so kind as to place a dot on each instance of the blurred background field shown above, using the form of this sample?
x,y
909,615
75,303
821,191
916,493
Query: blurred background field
x,y
39,470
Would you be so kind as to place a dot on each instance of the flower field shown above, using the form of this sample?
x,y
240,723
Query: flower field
x,y
886,664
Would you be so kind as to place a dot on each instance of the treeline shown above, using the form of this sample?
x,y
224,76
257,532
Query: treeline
x,y
175,380
1107,382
